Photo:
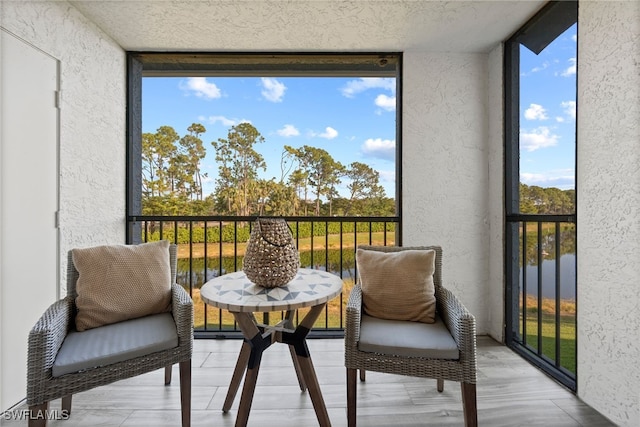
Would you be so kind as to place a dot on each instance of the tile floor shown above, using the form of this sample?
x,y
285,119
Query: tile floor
x,y
510,392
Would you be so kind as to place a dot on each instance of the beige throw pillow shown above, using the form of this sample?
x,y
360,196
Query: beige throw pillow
x,y
398,285
121,282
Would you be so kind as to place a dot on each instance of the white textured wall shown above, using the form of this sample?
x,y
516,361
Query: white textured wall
x,y
608,193
92,130
92,119
495,194
445,168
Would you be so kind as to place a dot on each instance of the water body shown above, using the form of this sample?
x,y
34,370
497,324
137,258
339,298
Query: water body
x,y
229,264
567,278
332,261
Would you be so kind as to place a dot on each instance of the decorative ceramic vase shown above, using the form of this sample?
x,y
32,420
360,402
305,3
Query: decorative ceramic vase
x,y
271,258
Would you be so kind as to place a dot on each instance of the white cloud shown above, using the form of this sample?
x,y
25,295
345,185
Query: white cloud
x,y
574,37
288,131
200,87
559,119
273,90
386,102
536,69
387,176
225,121
329,133
563,179
380,148
540,68
569,108
383,101
537,138
535,112
354,87
571,70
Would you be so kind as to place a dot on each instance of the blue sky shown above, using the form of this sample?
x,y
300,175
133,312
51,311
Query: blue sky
x,y
354,118
351,118
548,113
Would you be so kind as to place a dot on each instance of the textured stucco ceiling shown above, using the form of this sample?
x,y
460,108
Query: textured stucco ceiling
x,y
308,25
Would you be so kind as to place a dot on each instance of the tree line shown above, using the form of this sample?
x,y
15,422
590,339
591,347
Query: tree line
x,y
538,200
172,178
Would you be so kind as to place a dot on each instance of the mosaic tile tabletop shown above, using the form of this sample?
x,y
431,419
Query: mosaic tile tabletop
x,y
234,292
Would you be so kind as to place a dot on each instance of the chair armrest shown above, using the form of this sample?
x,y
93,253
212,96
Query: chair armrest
x,y
460,322
46,337
354,314
182,310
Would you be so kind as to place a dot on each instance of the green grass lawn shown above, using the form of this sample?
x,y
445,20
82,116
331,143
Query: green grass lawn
x,y
333,241
548,338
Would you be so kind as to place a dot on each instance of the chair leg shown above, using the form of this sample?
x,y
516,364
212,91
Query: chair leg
x,y
66,404
351,397
167,374
362,374
440,385
185,392
469,404
38,415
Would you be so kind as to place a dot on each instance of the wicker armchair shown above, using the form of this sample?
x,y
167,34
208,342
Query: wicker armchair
x,y
459,322
49,333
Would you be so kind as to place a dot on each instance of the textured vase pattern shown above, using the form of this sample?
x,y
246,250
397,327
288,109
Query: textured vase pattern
x,y
271,258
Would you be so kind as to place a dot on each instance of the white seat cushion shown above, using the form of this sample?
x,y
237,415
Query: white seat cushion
x,y
114,343
404,338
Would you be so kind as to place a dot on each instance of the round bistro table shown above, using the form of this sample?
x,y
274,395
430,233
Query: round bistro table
x,y
237,294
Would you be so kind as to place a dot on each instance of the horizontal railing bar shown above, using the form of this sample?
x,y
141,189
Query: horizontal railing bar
x,y
540,218
140,218
212,334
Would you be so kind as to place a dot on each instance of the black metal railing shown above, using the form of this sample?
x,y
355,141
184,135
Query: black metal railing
x,y
541,292
209,246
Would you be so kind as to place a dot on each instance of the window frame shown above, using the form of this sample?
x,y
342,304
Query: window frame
x,y
542,29
142,64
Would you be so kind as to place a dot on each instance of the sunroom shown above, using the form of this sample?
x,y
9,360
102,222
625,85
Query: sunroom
x,y
453,149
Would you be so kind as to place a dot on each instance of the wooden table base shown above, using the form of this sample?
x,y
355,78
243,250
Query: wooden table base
x,y
260,337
